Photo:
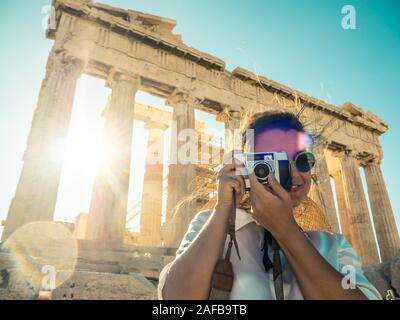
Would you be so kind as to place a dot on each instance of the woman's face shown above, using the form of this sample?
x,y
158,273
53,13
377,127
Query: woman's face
x,y
292,142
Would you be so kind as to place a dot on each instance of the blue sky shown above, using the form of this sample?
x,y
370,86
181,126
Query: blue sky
x,y
303,46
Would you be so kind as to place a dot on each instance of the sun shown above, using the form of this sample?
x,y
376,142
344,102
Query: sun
x,y
83,150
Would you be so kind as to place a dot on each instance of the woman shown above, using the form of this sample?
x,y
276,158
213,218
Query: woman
x,y
314,264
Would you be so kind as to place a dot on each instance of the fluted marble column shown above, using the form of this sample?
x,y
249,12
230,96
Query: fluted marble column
x,y
342,205
108,207
361,231
233,138
182,168
385,224
150,217
36,193
321,190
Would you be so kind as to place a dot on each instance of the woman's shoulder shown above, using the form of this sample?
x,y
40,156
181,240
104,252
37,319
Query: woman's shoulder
x,y
328,240
203,215
199,220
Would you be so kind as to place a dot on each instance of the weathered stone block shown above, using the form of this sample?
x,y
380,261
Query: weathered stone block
x,y
148,266
380,282
6,261
105,286
15,286
384,269
98,267
395,273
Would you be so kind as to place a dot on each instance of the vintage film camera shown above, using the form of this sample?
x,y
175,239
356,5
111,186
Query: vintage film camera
x,y
263,164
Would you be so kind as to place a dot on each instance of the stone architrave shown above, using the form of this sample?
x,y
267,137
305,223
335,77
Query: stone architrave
x,y
36,193
108,209
233,137
150,216
384,222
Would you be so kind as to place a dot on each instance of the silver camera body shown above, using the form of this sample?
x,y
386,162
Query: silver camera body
x,y
264,164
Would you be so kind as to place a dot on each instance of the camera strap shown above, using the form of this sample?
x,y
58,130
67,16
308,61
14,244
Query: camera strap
x,y
277,270
222,278
223,275
275,265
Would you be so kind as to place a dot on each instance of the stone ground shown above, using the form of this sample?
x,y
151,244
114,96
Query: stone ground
x,y
386,276
99,273
125,273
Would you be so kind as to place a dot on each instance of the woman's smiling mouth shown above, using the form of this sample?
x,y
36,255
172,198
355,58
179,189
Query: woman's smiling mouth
x,y
295,187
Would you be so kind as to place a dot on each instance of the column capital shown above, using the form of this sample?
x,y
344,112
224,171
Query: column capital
x,y
116,76
228,114
342,152
366,159
320,144
65,63
179,96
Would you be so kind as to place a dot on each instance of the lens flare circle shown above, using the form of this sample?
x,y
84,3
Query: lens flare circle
x,y
43,252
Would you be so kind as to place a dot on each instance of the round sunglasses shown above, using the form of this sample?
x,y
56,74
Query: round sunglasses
x,y
304,161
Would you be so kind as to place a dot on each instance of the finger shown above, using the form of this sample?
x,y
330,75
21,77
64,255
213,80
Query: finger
x,y
255,201
256,186
234,184
242,184
254,183
239,196
277,188
226,168
238,173
239,178
234,174
269,188
253,198
259,189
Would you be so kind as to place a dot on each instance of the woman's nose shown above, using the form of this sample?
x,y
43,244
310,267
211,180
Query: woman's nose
x,y
293,170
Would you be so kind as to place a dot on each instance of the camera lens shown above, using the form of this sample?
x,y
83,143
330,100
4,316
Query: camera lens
x,y
262,171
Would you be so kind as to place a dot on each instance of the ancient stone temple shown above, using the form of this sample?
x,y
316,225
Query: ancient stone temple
x,y
134,51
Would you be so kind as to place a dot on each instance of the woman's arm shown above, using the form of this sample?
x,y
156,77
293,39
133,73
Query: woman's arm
x,y
189,276
316,277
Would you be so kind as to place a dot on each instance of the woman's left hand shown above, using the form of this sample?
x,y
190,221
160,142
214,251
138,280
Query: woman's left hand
x,y
272,208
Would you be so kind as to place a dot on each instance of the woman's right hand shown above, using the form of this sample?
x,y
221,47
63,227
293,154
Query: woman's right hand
x,y
227,181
